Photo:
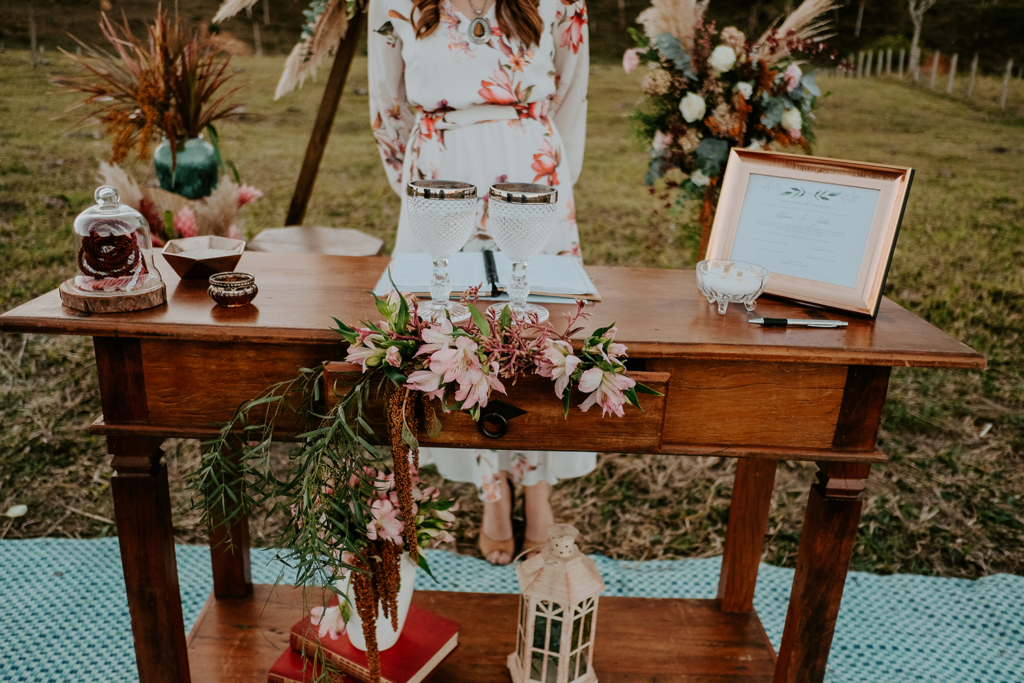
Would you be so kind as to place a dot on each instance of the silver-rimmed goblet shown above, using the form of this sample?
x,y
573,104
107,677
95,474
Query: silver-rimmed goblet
x,y
441,214
520,218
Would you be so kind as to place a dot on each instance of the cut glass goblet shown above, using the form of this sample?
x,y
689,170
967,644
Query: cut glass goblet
x,y
520,218
441,214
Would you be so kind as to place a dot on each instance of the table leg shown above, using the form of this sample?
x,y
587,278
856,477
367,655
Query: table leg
x,y
142,506
826,544
744,538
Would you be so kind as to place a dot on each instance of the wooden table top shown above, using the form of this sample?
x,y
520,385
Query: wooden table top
x,y
660,313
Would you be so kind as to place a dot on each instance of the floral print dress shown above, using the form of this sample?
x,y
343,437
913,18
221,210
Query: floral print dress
x,y
445,107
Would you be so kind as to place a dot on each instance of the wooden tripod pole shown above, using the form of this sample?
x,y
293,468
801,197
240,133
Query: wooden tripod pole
x,y
325,119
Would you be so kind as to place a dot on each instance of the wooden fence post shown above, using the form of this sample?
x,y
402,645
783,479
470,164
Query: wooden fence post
x,y
888,62
867,70
974,73
852,61
258,44
903,53
952,74
33,59
1006,84
935,68
878,69
860,64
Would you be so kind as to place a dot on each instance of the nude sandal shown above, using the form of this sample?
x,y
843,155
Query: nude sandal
x,y
488,546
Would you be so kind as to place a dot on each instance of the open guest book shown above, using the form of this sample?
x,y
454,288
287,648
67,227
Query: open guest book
x,y
553,279
426,640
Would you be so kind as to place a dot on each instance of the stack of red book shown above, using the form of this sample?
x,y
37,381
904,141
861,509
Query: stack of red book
x,y
426,640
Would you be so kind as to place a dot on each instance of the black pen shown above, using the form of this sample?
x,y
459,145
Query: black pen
x,y
491,270
797,322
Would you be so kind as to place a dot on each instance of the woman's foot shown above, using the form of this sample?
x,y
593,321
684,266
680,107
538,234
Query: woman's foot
x,y
496,542
539,517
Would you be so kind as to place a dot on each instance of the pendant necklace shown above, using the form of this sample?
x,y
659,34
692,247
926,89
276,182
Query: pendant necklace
x,y
479,30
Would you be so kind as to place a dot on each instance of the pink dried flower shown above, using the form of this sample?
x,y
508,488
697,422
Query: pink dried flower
x,y
246,194
185,223
393,357
630,60
605,389
792,76
234,232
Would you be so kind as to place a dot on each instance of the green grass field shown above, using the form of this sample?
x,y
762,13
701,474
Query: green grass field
x,y
948,503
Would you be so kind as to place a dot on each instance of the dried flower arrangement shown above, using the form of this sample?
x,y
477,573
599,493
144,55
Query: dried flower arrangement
x,y
172,216
353,513
166,84
703,99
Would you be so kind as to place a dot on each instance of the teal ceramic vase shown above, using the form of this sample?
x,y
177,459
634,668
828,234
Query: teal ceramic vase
x,y
195,175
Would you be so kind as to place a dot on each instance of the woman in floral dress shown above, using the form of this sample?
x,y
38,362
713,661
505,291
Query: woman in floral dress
x,y
486,91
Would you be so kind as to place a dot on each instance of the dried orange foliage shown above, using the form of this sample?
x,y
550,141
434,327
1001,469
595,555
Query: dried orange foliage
x,y
166,84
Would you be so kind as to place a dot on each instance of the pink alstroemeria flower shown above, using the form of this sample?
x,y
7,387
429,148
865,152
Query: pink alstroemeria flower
x,y
475,386
437,337
605,389
454,363
386,523
393,357
426,381
329,620
366,353
558,363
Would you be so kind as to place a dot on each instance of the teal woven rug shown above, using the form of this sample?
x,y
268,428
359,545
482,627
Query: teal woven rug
x,y
891,629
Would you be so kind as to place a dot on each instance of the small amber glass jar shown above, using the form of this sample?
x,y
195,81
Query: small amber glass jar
x,y
233,289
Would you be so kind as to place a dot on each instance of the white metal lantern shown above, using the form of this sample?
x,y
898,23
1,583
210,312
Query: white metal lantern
x,y
559,587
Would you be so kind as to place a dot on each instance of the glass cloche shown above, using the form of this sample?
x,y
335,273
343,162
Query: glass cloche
x,y
114,249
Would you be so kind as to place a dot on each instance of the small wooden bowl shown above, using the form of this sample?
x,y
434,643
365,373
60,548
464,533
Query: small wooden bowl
x,y
176,252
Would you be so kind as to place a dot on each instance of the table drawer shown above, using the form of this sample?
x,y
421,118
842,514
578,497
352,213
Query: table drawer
x,y
543,426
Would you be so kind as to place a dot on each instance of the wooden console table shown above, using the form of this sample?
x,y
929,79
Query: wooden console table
x,y
731,389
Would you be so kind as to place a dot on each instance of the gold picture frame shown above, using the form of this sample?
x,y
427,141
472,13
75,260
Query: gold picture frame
x,y
824,228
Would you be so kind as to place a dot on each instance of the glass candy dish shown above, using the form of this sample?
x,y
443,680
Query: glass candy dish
x,y
724,282
441,215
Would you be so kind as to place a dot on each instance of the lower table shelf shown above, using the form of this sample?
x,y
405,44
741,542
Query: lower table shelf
x,y
663,640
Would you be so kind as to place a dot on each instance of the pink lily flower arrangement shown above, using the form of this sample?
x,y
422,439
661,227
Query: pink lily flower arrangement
x,y
462,366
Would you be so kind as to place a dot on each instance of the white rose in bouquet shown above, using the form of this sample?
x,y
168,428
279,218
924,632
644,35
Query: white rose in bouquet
x,y
699,179
792,121
722,58
692,107
745,88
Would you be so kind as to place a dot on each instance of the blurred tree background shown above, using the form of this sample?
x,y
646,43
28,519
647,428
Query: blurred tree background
x,y
992,28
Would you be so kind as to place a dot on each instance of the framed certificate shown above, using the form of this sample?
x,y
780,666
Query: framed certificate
x,y
824,228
